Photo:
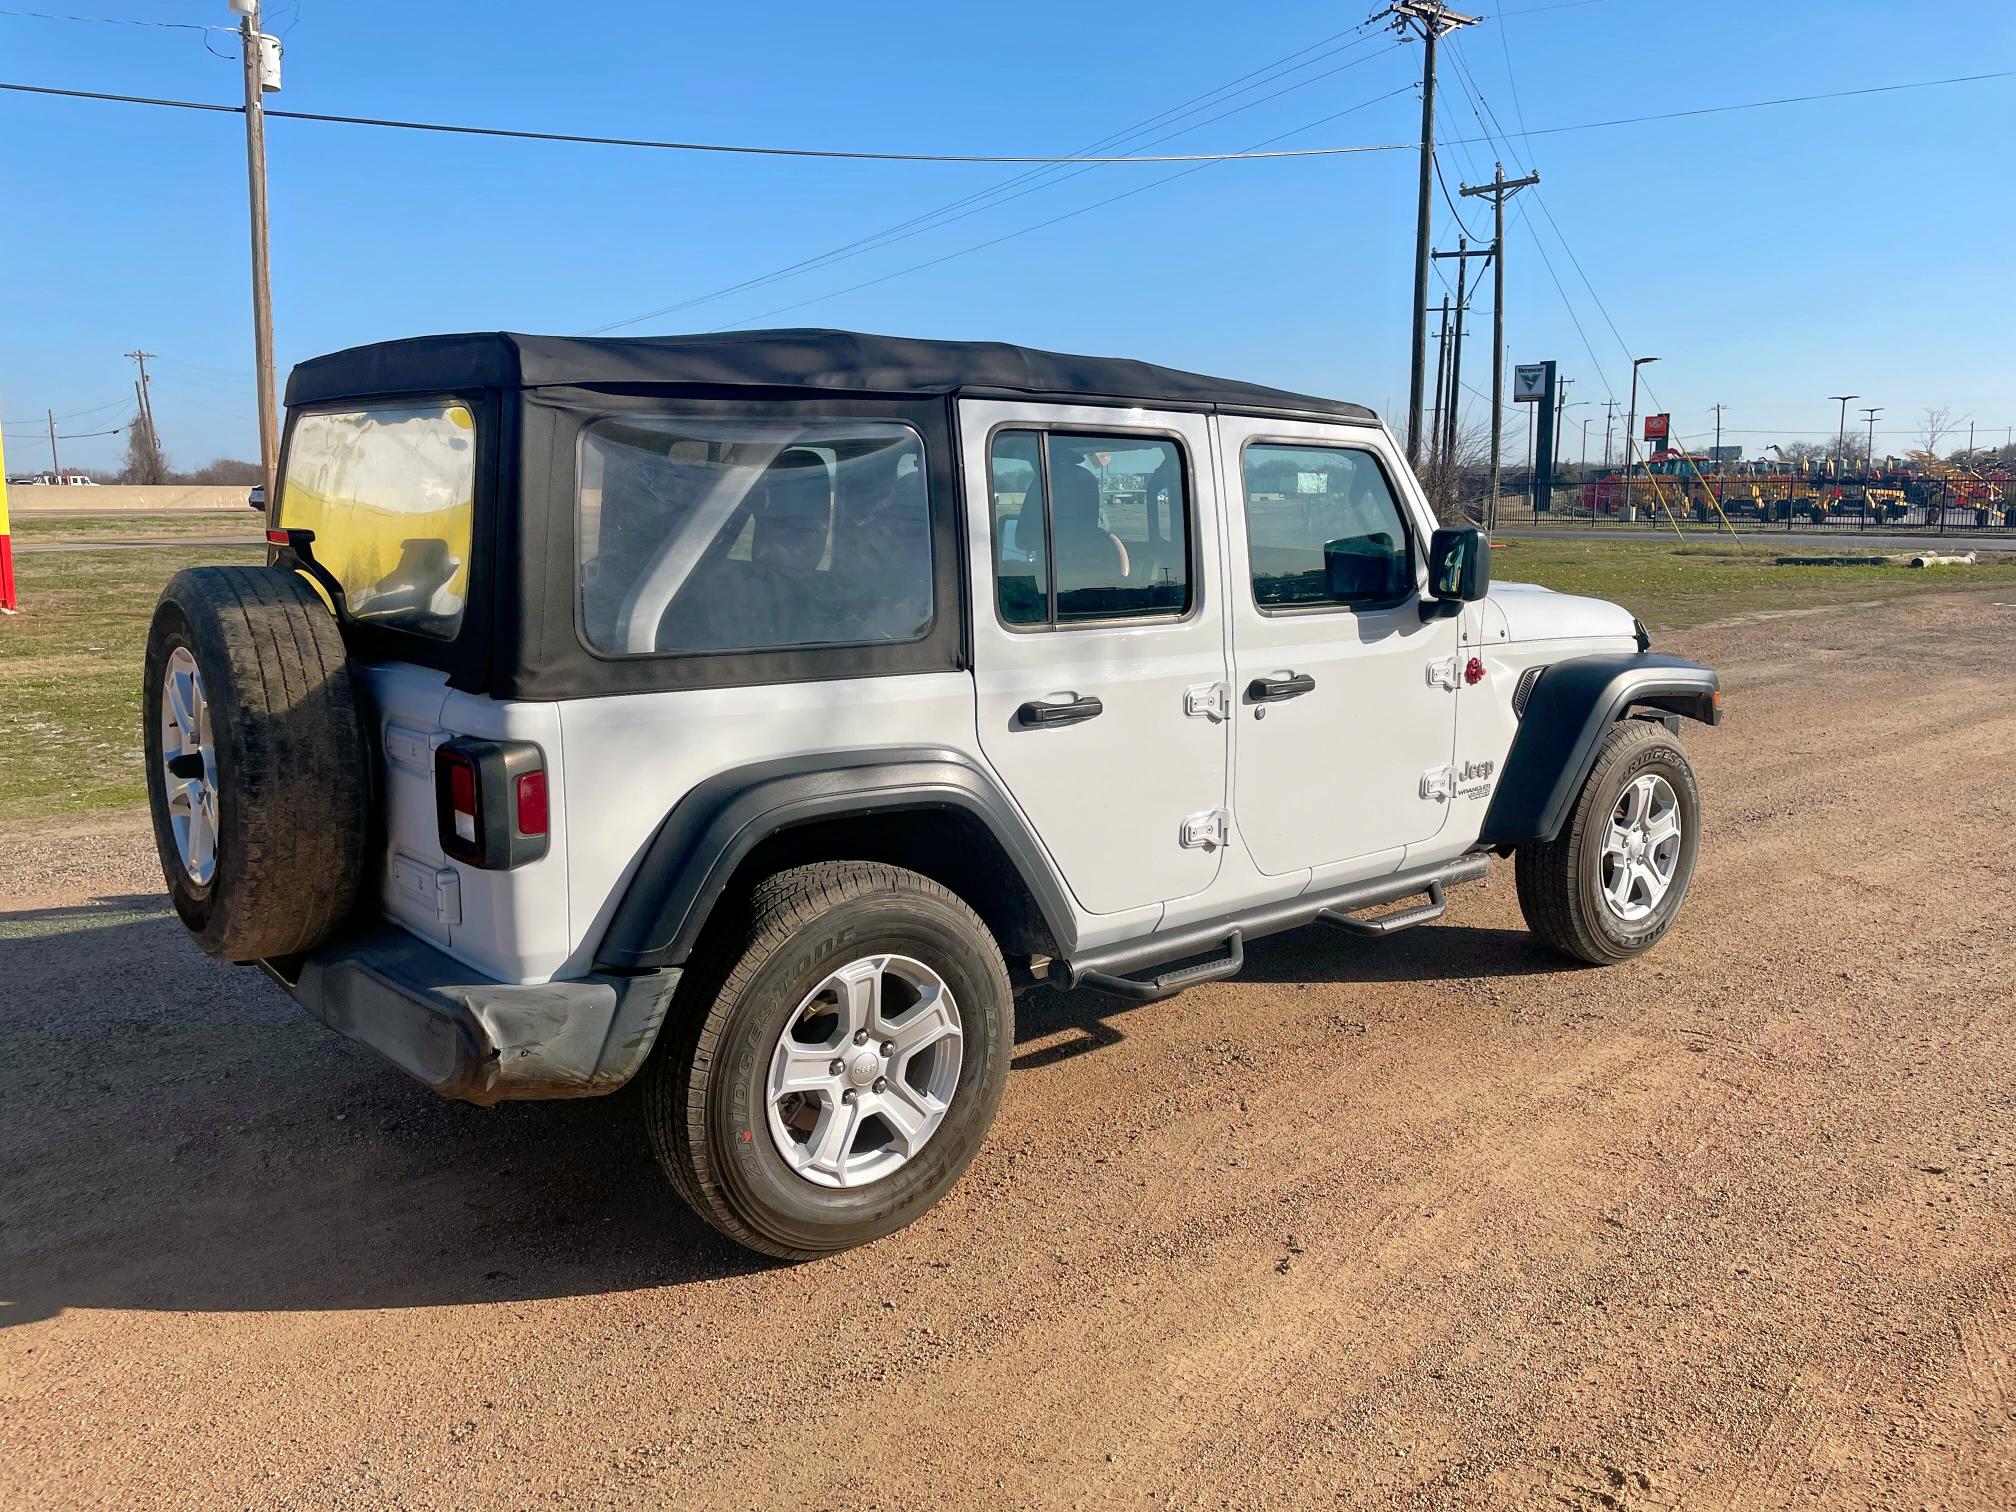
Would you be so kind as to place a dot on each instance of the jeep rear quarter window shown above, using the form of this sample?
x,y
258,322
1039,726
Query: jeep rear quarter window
x,y
1323,529
390,494
710,535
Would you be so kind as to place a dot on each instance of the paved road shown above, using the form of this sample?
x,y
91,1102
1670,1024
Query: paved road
x,y
1433,1222
156,543
1795,540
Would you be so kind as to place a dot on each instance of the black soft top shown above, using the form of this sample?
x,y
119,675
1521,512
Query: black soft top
x,y
844,361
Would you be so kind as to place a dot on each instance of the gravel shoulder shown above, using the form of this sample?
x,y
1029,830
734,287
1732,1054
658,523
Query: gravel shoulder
x,y
1433,1222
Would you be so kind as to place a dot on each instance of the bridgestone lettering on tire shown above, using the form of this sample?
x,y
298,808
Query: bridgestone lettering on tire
x,y
1641,809
709,1101
285,761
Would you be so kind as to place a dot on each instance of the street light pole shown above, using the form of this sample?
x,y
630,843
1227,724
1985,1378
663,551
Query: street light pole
x,y
1841,441
1631,423
261,55
1870,413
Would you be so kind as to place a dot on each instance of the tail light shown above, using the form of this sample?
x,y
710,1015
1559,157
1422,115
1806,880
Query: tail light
x,y
491,803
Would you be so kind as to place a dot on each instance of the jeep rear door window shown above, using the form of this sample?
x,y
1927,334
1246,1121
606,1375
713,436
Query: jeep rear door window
x,y
701,535
390,494
1088,527
1322,528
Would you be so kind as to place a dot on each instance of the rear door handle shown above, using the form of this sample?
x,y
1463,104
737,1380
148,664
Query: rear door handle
x,y
1274,689
1034,715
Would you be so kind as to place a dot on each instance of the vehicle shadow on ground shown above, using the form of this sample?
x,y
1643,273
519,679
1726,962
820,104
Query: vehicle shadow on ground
x,y
177,1135
1317,953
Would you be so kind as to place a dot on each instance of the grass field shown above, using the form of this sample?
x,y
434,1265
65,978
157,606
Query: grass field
x,y
70,676
70,663
204,524
1671,586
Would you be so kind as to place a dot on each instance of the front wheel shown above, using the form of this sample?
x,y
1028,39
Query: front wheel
x,y
1609,887
848,1064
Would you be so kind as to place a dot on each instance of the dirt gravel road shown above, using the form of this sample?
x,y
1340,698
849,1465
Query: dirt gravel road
x,y
1430,1223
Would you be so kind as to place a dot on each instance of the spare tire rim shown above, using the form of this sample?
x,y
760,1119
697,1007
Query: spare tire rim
x,y
864,1071
189,766
1641,848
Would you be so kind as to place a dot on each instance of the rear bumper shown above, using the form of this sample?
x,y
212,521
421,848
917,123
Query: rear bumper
x,y
468,1037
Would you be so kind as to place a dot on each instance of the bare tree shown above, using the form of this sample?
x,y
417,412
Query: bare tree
x,y
1803,453
1938,423
144,461
1849,451
224,470
1456,485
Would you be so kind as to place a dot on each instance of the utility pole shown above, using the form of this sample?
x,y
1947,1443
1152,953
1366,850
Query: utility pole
x,y
143,399
1434,20
1870,414
1718,452
261,57
55,466
1609,419
1497,191
1585,446
1462,254
1441,372
1560,409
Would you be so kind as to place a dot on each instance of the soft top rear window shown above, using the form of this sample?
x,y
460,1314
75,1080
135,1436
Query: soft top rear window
x,y
390,493
715,535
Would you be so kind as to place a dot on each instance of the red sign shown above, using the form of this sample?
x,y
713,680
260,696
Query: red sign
x,y
1656,427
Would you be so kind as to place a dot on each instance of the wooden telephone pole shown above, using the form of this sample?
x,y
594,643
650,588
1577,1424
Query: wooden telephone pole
x,y
261,55
1499,190
1434,20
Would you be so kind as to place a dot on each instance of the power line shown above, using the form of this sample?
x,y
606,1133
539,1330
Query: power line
x,y
948,157
1055,219
739,149
1831,94
999,194
28,15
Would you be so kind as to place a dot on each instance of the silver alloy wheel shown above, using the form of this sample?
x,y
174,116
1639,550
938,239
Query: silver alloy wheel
x,y
189,766
864,1071
1641,848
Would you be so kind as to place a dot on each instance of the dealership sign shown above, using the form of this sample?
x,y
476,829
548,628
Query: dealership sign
x,y
1657,426
1529,382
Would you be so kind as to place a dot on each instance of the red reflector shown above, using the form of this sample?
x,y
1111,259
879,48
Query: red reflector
x,y
276,537
532,804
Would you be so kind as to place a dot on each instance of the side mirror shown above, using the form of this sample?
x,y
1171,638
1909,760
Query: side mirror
x,y
1459,571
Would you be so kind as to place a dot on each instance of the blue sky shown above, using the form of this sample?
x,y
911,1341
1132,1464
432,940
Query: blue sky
x,y
1769,257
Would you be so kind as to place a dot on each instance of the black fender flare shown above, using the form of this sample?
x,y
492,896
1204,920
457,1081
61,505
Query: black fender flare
x,y
711,831
1573,704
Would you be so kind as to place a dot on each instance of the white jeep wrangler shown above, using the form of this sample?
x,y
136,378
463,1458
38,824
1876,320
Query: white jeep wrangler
x,y
758,713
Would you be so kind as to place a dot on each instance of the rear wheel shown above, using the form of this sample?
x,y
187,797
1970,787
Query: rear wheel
x,y
1611,885
845,1066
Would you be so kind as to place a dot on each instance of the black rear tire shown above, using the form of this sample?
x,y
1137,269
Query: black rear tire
x,y
292,773
1560,881
705,1090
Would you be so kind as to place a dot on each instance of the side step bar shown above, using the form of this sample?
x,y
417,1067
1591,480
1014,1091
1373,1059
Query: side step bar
x,y
1393,923
1108,967
1169,983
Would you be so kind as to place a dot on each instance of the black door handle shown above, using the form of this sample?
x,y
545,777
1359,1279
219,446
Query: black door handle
x,y
1045,715
1274,689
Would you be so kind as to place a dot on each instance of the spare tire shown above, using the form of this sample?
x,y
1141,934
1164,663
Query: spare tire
x,y
258,770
